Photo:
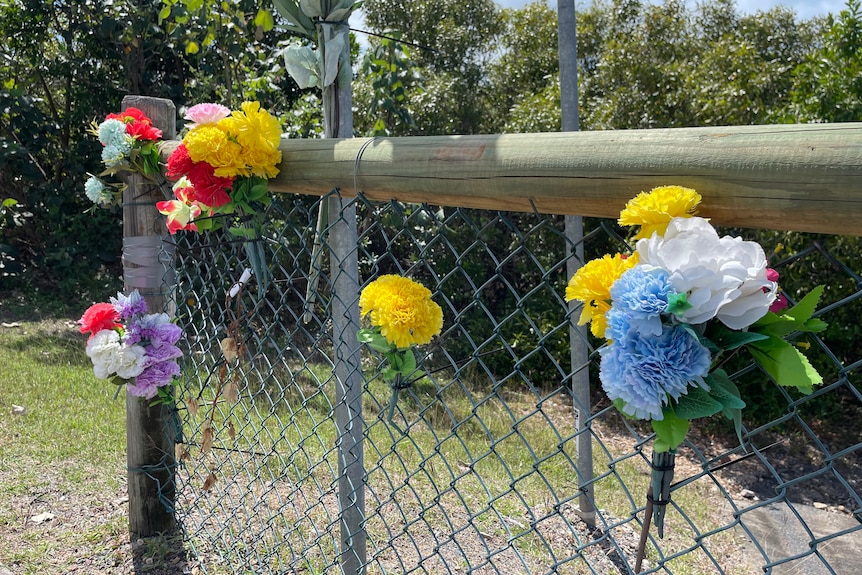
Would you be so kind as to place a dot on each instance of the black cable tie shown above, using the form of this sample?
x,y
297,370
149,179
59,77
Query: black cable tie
x,y
655,501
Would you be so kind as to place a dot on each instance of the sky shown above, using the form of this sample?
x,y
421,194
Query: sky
x,y
803,8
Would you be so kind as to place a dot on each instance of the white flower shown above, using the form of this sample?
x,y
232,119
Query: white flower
x,y
111,357
723,277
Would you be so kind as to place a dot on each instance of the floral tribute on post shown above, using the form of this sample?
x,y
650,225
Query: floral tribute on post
x,y
130,347
402,316
129,143
221,168
674,310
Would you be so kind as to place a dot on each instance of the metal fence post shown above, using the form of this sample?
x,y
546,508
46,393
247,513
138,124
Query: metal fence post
x,y
146,267
348,408
568,54
343,240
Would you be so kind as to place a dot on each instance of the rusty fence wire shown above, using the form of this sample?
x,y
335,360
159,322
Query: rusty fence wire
x,y
474,467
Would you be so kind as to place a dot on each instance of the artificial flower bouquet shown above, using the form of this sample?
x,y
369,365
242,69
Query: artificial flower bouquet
x,y
131,347
674,310
129,143
402,316
221,168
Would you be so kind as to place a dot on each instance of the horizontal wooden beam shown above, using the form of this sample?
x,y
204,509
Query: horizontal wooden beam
x,y
785,177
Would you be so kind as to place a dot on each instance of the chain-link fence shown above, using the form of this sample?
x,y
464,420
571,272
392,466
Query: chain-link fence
x,y
473,468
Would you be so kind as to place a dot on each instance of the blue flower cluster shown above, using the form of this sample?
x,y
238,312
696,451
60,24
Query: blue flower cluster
x,y
650,357
112,135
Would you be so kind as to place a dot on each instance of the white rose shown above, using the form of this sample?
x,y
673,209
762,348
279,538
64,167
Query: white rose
x,y
723,277
111,357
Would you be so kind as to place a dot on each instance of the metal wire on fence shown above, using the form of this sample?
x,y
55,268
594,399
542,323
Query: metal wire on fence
x,y
474,468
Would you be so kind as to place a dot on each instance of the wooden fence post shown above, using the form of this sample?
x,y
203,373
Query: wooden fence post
x,y
147,267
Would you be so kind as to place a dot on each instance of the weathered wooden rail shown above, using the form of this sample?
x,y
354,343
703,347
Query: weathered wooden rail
x,y
789,177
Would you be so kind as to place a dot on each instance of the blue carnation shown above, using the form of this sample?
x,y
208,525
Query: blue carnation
x,y
112,132
113,154
644,371
643,296
97,192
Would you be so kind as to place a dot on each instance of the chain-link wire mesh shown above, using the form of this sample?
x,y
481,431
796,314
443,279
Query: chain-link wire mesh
x,y
472,468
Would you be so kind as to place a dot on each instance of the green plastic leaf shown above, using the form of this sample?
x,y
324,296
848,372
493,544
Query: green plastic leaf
x,y
805,308
677,304
374,339
696,403
408,362
619,403
793,319
670,432
723,390
786,364
728,339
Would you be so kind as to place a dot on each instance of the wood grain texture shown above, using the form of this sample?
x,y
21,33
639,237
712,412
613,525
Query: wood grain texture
x,y
785,177
150,432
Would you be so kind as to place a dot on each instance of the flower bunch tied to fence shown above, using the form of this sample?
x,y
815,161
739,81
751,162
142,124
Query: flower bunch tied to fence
x,y
129,144
130,347
402,315
221,170
673,311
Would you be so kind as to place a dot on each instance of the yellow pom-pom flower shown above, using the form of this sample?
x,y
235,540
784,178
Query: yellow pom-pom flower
x,y
592,285
212,145
402,309
259,134
653,210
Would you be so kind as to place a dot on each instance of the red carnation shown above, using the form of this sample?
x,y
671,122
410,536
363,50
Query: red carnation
x,y
179,163
98,317
143,131
130,116
209,188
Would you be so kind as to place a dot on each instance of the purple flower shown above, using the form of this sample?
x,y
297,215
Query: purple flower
x,y
156,329
157,375
161,352
128,306
644,371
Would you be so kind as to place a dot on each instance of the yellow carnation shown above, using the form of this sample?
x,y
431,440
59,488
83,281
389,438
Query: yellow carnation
x,y
259,134
592,285
212,145
402,309
654,210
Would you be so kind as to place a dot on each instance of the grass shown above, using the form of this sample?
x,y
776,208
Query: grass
x,y
473,472
475,476
70,439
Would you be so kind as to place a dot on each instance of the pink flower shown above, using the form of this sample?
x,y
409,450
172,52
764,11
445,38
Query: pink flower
x,y
779,304
201,114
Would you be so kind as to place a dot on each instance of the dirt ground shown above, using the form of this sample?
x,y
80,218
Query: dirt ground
x,y
51,519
